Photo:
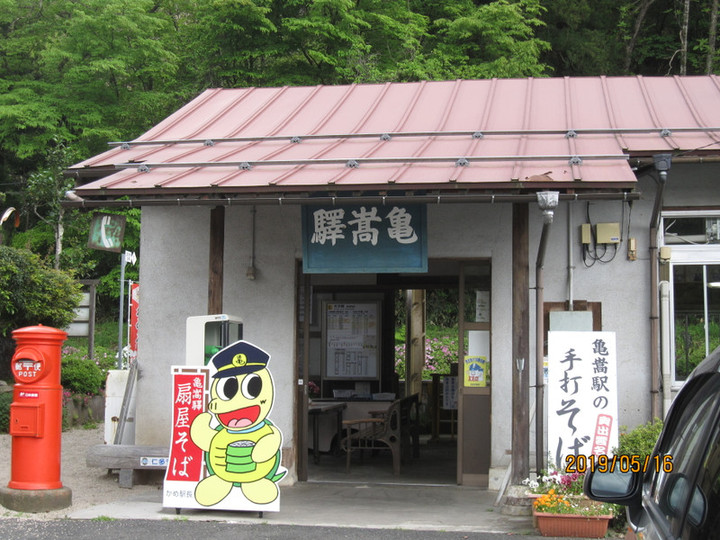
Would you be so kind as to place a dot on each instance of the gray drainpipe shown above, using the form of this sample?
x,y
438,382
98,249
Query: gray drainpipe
x,y
548,201
662,164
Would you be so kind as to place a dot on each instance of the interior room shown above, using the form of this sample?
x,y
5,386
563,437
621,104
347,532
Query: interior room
x,y
381,356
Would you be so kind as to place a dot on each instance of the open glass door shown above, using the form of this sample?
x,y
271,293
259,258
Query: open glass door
x,y
474,374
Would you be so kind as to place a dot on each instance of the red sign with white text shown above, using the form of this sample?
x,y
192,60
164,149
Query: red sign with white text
x,y
134,313
189,400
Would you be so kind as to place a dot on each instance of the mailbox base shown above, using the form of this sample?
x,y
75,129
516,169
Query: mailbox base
x,y
35,500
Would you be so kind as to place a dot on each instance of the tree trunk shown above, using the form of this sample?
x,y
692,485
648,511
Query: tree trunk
x,y
712,34
684,37
642,10
59,232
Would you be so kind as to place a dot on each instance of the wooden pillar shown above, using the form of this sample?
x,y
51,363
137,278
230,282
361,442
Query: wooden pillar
x,y
520,345
216,256
415,341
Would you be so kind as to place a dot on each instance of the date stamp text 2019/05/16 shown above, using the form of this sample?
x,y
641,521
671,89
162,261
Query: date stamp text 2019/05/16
x,y
582,464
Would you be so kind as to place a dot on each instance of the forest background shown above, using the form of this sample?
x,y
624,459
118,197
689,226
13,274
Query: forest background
x,y
77,74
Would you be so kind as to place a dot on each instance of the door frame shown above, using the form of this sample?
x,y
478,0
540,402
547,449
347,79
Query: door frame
x,y
467,394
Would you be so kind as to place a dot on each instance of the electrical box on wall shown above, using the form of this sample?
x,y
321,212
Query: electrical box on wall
x,y
632,249
585,233
608,233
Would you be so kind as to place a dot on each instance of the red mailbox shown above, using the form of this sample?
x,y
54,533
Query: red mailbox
x,y
36,410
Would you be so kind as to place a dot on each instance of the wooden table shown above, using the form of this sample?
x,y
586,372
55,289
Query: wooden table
x,y
317,409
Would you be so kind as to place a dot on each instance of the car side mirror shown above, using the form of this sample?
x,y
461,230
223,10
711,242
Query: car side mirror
x,y
614,487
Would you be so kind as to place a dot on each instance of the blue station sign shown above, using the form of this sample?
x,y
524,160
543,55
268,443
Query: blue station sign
x,y
364,239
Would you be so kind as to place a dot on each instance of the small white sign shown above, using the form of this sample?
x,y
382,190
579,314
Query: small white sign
x,y
154,461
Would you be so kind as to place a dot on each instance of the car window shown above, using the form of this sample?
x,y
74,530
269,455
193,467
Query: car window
x,y
685,442
703,521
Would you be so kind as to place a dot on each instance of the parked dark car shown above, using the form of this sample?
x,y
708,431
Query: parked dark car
x,y
675,493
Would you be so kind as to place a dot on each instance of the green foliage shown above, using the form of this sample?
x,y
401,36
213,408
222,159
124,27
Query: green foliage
x,y
496,39
640,441
580,36
84,262
31,293
82,375
690,342
5,400
637,442
306,42
235,41
441,350
441,307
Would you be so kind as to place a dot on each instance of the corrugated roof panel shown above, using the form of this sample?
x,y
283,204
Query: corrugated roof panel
x,y
547,106
469,113
702,96
519,108
507,110
587,102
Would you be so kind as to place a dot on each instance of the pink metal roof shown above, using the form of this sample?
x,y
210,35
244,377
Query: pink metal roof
x,y
498,134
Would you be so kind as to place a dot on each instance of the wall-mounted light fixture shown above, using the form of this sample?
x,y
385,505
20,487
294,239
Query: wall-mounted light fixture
x,y
665,254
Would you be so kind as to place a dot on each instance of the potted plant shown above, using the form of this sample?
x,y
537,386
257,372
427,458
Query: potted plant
x,y
561,482
313,389
562,514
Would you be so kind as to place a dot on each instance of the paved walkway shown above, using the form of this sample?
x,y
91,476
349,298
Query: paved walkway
x,y
374,506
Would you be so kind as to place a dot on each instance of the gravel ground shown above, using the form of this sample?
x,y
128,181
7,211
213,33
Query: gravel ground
x,y
89,486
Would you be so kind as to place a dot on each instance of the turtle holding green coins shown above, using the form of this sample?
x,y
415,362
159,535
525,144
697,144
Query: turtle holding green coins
x,y
243,450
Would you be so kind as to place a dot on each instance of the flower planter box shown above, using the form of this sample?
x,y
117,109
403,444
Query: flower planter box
x,y
571,525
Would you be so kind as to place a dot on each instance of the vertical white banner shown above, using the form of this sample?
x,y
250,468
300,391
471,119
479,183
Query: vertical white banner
x,y
582,395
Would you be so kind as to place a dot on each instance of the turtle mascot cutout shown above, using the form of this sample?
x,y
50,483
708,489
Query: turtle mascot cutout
x,y
242,447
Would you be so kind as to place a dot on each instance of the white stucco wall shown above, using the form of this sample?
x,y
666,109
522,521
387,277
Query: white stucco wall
x,y
174,285
267,304
485,231
621,285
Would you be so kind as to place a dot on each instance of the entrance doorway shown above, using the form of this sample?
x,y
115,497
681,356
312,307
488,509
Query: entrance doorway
x,y
412,342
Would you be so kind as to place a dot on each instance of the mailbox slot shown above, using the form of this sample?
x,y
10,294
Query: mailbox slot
x,y
27,419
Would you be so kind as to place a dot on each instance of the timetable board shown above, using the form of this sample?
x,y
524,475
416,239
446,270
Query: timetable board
x,y
351,335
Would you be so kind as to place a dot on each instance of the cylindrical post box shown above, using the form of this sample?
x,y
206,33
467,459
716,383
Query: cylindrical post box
x,y
36,410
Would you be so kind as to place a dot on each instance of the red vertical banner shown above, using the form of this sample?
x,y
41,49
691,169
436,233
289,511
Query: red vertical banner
x,y
190,393
603,431
134,312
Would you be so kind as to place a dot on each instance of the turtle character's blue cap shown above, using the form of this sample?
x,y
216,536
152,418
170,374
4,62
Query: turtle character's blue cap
x,y
238,359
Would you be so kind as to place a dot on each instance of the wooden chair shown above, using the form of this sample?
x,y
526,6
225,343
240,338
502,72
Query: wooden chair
x,y
410,427
392,429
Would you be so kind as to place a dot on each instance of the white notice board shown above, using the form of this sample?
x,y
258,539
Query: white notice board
x,y
351,337
582,395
